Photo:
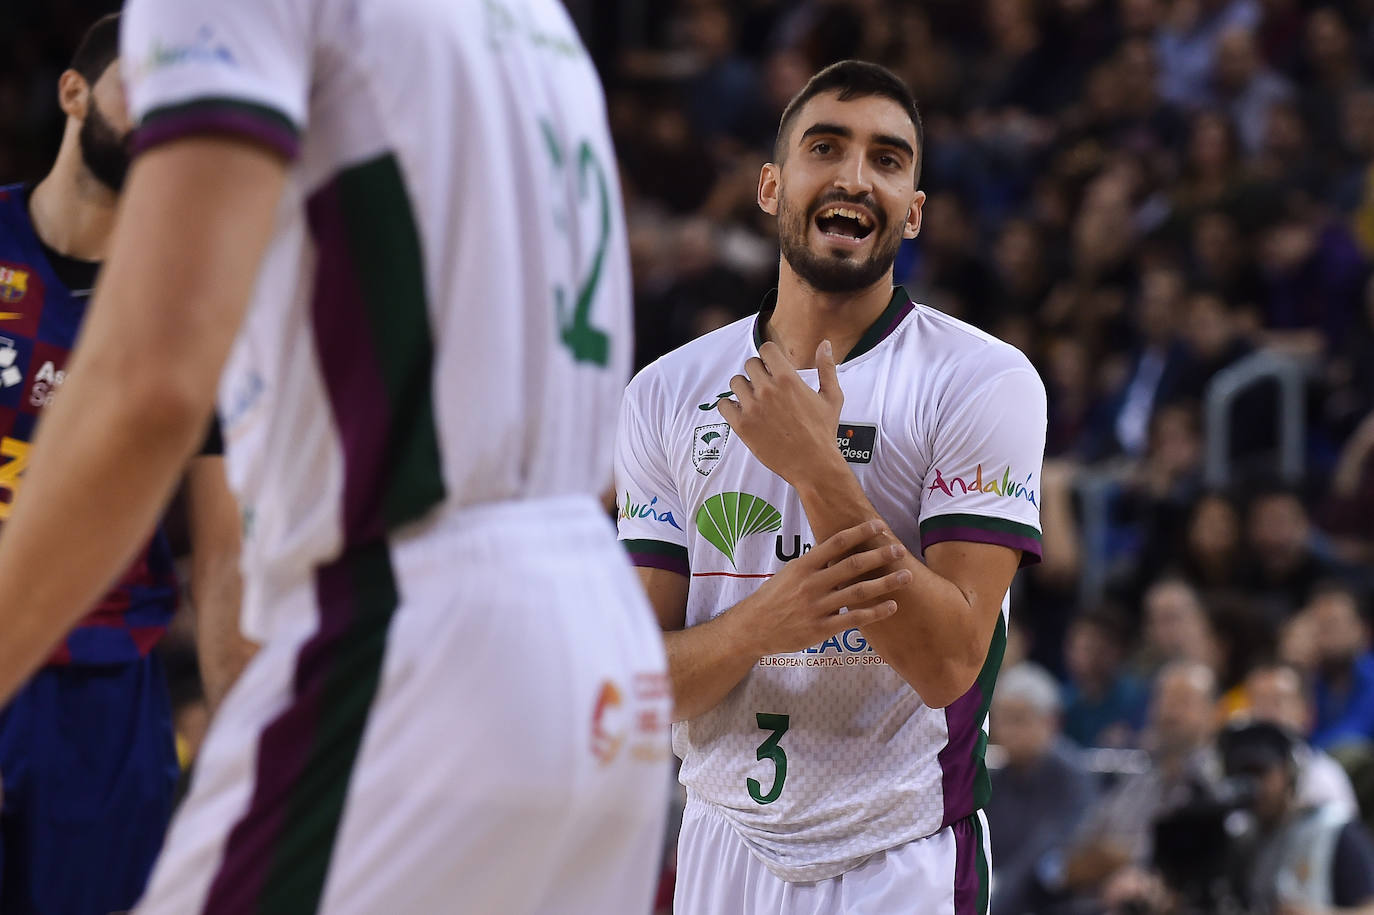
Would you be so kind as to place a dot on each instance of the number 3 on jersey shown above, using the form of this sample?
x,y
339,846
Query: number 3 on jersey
x,y
14,457
586,342
769,749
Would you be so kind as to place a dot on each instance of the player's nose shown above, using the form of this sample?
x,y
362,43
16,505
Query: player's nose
x,y
853,177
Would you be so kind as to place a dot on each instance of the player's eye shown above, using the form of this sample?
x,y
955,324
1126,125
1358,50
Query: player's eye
x,y
887,161
822,148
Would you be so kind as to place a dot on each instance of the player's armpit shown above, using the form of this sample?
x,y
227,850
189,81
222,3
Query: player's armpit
x,y
667,593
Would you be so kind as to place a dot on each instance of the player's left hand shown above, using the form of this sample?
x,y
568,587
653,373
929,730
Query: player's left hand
x,y
788,426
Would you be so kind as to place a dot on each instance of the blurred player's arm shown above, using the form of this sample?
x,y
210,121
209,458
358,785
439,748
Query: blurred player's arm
x,y
938,638
216,587
194,223
799,607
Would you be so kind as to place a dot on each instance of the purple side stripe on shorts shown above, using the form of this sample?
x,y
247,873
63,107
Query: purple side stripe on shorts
x,y
966,883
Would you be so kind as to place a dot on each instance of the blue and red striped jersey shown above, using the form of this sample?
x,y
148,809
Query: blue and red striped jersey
x,y
43,298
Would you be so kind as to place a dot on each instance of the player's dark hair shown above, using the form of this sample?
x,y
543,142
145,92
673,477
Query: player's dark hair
x,y
853,79
98,49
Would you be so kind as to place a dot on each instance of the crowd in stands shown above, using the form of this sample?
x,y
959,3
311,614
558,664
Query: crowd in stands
x,y
1141,195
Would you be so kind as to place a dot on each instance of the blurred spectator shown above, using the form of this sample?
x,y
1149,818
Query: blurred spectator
x,y
1039,793
1220,264
1245,87
1332,69
1104,706
1116,838
1177,628
1299,857
1314,275
1351,502
1160,362
1285,563
1188,40
1276,693
1329,641
1211,556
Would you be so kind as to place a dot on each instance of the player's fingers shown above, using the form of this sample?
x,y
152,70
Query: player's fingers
x,y
729,410
858,564
775,359
741,388
829,377
863,593
857,619
843,542
756,369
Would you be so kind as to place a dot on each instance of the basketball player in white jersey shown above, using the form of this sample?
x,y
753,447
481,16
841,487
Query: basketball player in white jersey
x,y
845,447
395,226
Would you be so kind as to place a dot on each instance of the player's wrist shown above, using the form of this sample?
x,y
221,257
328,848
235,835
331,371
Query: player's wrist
x,y
743,631
823,476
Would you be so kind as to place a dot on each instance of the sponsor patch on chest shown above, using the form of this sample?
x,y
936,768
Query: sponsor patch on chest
x,y
856,442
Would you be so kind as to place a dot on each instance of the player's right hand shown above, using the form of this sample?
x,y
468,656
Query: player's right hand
x,y
805,603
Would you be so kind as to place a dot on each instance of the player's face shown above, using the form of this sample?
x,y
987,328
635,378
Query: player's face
x,y
845,195
105,131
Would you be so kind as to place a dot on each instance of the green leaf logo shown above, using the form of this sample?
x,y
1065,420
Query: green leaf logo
x,y
710,437
726,518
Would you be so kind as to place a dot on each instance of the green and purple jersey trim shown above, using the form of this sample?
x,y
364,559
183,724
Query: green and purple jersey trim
x,y
655,554
226,116
983,529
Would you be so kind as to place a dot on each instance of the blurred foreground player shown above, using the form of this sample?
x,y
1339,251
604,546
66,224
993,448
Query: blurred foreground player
x,y
796,463
86,748
403,219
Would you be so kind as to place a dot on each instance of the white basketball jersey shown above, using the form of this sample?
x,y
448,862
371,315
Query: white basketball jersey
x,y
443,317
822,758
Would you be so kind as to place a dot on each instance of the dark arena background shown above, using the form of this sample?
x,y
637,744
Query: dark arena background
x,y
1168,205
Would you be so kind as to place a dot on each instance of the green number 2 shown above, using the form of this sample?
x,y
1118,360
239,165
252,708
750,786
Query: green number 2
x,y
586,342
769,749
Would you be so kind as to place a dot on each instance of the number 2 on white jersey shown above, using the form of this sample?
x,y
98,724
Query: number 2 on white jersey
x,y
586,342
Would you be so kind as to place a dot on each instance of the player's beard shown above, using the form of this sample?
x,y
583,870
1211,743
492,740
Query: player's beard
x,y
827,271
104,152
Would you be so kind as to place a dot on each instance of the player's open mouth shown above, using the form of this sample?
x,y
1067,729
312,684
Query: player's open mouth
x,y
846,223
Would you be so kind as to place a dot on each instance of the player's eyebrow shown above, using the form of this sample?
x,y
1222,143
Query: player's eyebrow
x,y
839,130
828,130
886,139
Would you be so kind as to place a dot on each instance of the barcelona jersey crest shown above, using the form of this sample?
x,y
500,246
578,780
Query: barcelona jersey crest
x,y
13,284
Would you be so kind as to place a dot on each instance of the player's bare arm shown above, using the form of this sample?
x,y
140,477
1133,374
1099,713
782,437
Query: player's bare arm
x,y
216,587
801,606
197,214
938,636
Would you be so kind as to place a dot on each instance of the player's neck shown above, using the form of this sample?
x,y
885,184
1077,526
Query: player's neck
x,y
805,316
72,212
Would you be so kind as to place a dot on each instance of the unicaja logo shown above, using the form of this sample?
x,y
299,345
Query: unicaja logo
x,y
729,517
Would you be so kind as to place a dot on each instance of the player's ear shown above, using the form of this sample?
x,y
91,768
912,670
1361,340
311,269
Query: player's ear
x,y
912,227
73,94
768,188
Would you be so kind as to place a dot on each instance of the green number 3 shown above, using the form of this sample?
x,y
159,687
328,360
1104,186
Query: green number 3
x,y
586,342
769,749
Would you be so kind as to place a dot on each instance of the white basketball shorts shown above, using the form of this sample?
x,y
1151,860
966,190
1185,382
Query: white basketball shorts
x,y
940,874
474,721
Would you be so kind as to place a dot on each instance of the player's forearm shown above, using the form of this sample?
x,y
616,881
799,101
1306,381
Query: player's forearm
x,y
103,465
933,640
221,649
705,662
